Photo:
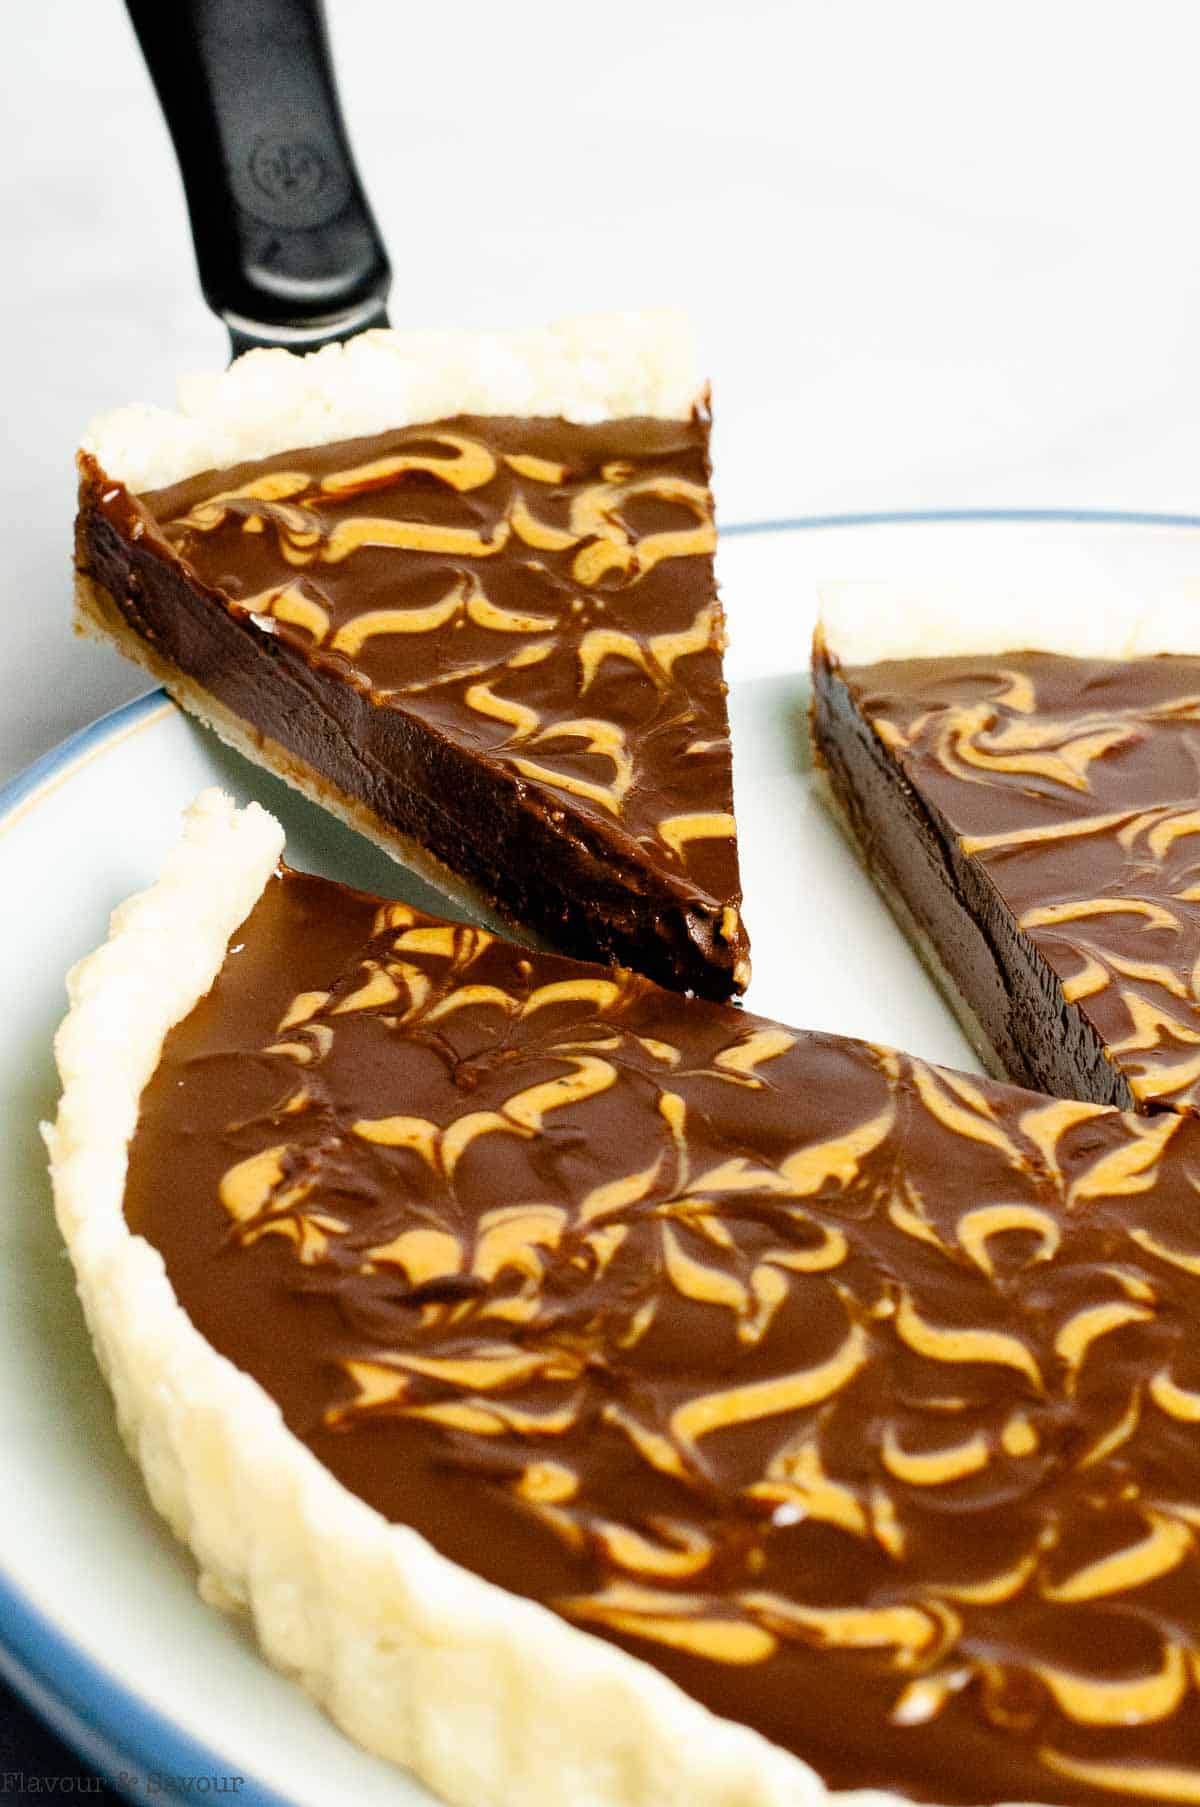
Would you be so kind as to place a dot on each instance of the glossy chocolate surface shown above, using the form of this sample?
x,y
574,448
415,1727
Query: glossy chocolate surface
x,y
535,595
858,1396
1074,787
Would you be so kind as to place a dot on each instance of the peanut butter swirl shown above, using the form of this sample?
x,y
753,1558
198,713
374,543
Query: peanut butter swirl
x,y
539,590
1075,785
858,1396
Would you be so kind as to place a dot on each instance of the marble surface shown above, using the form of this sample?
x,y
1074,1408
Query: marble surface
x,y
940,256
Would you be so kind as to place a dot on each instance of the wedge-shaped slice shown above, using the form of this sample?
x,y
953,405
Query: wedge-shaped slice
x,y
459,589
575,1380
1023,776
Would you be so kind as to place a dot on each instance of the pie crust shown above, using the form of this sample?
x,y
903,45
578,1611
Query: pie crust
x,y
490,1699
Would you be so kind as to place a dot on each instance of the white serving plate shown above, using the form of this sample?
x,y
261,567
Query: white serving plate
x,y
100,1622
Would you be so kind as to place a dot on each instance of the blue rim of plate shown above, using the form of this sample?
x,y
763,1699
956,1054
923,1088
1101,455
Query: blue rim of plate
x,y
933,517
107,1724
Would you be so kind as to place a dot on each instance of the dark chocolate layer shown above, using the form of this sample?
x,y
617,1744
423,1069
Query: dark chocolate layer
x,y
1038,815
858,1396
502,636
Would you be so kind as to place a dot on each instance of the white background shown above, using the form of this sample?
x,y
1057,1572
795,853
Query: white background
x,y
940,253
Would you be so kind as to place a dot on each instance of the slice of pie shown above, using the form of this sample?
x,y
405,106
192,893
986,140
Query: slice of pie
x,y
598,1396
458,588
1022,775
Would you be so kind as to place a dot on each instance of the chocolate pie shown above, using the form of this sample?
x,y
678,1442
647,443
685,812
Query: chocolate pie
x,y
600,1396
1023,779
459,589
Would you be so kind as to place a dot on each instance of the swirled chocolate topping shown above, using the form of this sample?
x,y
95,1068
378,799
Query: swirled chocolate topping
x,y
511,632
858,1396
1057,799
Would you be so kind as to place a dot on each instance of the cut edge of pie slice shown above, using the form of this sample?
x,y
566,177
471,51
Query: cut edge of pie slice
x,y
1016,768
532,715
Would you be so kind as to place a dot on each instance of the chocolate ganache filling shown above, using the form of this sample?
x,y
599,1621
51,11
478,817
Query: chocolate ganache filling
x,y
1039,816
858,1396
501,636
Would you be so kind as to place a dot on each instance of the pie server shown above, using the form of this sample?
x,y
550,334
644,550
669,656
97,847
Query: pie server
x,y
288,250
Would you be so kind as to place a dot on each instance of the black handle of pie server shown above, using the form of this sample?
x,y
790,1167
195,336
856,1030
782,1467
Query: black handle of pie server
x,y
288,250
